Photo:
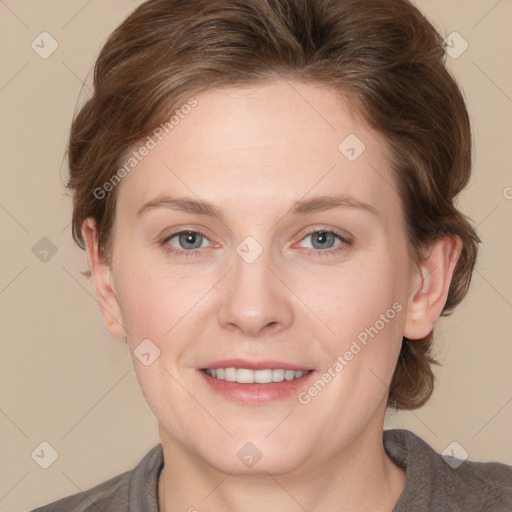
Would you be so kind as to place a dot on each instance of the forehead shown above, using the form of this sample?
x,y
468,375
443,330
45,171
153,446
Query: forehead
x,y
263,145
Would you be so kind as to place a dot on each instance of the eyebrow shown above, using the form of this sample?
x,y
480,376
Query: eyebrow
x,y
302,207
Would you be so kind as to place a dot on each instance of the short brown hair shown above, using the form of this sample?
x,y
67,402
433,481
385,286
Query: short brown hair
x,y
382,54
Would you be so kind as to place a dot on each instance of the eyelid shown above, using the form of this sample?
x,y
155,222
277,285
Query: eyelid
x,y
186,230
167,233
344,238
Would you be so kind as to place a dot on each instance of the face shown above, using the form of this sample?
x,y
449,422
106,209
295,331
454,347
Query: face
x,y
256,241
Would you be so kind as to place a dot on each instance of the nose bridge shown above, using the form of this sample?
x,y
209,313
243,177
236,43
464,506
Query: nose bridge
x,y
254,297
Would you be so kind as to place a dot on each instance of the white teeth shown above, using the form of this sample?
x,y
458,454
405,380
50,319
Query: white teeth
x,y
246,376
262,376
289,374
278,375
230,374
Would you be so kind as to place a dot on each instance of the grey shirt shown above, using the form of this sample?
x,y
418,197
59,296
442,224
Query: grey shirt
x,y
432,483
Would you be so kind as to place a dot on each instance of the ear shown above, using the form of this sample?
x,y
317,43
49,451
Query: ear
x,y
102,276
432,283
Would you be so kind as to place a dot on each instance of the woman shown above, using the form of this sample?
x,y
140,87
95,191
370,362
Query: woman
x,y
265,190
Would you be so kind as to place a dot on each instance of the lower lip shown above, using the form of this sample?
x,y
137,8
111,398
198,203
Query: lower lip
x,y
254,394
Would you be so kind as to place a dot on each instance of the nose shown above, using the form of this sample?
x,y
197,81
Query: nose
x,y
254,300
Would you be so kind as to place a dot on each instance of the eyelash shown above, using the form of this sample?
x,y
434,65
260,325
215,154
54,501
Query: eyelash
x,y
310,252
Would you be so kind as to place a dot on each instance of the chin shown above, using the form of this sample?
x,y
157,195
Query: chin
x,y
240,456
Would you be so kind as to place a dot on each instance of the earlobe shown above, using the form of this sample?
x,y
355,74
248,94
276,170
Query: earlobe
x,y
101,272
430,292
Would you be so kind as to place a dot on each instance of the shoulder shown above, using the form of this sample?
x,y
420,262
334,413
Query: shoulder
x,y
107,496
121,493
436,482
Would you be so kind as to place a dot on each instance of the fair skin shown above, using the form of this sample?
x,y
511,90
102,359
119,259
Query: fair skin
x,y
253,152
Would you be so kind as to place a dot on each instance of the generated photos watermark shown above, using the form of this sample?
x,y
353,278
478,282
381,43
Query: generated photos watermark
x,y
361,341
150,143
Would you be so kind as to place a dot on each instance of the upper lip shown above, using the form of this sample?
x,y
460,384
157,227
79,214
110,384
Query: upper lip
x,y
255,365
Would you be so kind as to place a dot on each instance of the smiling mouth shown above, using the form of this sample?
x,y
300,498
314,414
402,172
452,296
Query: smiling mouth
x,y
247,376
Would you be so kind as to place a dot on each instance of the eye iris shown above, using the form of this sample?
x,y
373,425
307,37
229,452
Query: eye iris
x,y
322,237
195,239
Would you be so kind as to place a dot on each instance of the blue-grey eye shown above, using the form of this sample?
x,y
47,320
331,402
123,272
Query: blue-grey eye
x,y
323,239
190,239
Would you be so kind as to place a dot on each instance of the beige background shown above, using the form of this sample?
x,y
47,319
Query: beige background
x,y
65,381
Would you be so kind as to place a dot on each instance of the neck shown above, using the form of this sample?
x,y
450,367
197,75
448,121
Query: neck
x,y
360,478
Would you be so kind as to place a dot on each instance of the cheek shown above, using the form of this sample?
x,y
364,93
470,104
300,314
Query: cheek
x,y
364,308
353,298
344,301
152,300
